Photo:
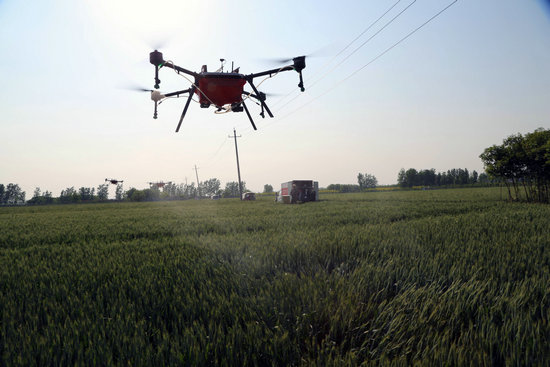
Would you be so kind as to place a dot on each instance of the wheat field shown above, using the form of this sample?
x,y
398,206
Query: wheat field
x,y
436,277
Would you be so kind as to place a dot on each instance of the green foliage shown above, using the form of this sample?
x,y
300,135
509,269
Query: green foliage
x,y
344,188
41,198
522,162
366,181
268,188
442,277
232,189
428,177
103,192
11,195
210,187
119,192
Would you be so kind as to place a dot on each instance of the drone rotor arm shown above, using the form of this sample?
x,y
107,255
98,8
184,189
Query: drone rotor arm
x,y
177,94
269,72
180,69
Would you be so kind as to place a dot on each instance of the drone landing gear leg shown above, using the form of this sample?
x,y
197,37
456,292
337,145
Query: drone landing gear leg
x,y
301,84
261,99
186,106
249,117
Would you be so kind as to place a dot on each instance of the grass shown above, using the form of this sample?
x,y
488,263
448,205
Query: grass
x,y
406,277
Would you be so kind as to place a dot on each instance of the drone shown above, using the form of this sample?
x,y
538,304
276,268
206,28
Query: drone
x,y
159,184
223,90
114,181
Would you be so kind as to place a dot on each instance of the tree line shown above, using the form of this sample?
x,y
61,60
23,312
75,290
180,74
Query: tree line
x,y
428,177
173,191
13,195
365,181
522,163
413,177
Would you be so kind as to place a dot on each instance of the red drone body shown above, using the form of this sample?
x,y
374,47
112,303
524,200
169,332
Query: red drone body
x,y
224,90
159,184
220,89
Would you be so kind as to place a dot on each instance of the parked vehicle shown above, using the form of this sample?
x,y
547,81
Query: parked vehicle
x,y
298,191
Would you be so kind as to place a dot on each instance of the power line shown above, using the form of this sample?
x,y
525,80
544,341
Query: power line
x,y
371,61
364,43
312,84
339,53
210,160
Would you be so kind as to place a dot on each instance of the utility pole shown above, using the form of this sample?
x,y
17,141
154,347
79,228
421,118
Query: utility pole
x,y
238,168
198,188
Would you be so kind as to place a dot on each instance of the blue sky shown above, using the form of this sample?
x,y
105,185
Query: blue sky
x,y
474,75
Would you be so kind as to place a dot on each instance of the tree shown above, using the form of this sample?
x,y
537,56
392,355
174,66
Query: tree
x,y
522,162
401,178
268,188
426,177
135,195
103,192
370,181
232,189
152,194
474,177
366,181
189,191
47,197
408,178
361,180
483,178
169,191
11,194
40,198
69,195
86,193
210,187
119,193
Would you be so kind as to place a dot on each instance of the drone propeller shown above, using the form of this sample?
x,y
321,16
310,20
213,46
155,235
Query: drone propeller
x,y
321,52
281,61
156,96
137,89
264,94
158,41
